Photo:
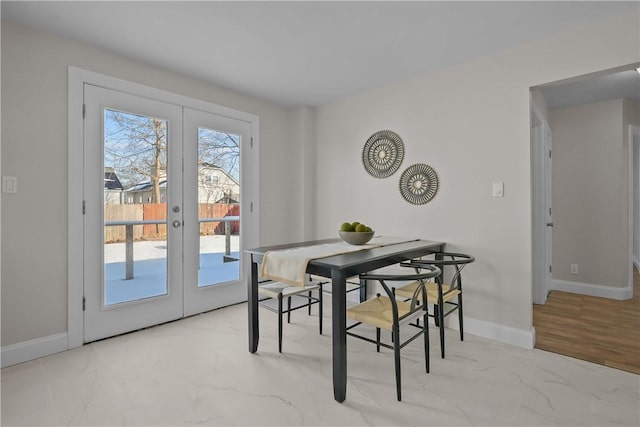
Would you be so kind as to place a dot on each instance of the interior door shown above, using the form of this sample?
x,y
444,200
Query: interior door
x,y
133,215
548,210
542,222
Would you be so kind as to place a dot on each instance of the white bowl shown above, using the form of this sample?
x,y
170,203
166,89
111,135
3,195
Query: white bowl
x,y
356,237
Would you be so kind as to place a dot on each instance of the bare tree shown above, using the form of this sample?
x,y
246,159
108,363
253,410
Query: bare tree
x,y
220,149
136,146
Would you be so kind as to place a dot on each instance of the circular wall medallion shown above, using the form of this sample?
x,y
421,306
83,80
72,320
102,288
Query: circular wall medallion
x,y
418,184
382,154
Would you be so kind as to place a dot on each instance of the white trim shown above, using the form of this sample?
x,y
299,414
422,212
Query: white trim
x,y
634,132
539,281
77,78
75,253
497,332
33,349
113,83
602,291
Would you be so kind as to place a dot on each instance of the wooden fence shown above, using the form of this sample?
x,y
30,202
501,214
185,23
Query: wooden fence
x,y
155,211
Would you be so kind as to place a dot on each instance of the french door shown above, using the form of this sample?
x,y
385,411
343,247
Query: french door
x,y
163,211
212,150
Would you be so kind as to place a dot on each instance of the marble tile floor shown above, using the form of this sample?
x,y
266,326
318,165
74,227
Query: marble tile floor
x,y
197,371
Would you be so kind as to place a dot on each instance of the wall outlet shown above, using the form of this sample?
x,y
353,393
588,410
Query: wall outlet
x,y
9,184
574,268
497,189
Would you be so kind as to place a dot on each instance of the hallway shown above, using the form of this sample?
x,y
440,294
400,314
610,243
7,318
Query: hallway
x,y
597,330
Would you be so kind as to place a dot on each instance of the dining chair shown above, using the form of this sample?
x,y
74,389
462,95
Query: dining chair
x,y
354,284
268,290
440,294
388,313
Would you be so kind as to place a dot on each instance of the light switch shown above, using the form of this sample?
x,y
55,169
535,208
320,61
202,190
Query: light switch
x,y
9,184
498,189
574,268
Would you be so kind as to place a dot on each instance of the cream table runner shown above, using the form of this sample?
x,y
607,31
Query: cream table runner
x,y
290,265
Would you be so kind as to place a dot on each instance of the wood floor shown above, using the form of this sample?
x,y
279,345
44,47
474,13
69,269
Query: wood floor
x,y
598,330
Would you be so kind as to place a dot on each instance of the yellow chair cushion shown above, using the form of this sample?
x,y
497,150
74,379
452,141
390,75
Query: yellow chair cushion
x,y
378,312
432,291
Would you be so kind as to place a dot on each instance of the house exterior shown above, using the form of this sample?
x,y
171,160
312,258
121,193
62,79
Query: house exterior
x,y
112,187
215,185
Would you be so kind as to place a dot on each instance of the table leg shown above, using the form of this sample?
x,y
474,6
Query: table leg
x,y
252,302
128,252
339,335
363,290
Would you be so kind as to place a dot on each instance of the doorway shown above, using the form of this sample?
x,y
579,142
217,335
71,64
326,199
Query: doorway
x,y
566,321
168,187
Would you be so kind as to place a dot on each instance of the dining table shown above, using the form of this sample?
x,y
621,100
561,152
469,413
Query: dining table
x,y
337,268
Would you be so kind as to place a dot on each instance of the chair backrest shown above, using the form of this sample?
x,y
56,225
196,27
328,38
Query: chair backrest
x,y
457,260
419,294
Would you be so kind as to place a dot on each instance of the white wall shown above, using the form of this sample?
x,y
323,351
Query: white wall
x,y
590,194
631,116
34,135
471,123
304,154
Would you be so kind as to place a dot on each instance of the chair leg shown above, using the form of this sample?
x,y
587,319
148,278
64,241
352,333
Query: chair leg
x,y
280,323
288,309
396,356
309,306
441,326
320,308
426,340
378,340
460,317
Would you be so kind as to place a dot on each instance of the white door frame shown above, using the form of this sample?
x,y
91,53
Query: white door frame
x,y
77,78
541,262
634,203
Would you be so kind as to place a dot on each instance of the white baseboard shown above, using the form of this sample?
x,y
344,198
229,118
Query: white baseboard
x,y
495,331
610,292
33,349
41,347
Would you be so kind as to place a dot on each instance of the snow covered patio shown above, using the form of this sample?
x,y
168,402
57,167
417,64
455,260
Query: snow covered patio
x,y
150,271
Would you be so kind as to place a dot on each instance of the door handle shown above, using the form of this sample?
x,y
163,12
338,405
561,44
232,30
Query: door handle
x,y
176,223
549,224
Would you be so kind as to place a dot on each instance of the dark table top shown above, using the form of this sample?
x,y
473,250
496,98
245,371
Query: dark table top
x,y
353,263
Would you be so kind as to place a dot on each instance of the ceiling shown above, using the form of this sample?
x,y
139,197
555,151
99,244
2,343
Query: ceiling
x,y
306,53
585,90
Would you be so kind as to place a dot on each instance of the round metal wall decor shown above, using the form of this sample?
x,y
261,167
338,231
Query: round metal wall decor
x,y
383,153
418,184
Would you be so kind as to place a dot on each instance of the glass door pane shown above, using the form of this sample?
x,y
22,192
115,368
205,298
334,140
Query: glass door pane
x,y
132,222
218,206
217,210
135,186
